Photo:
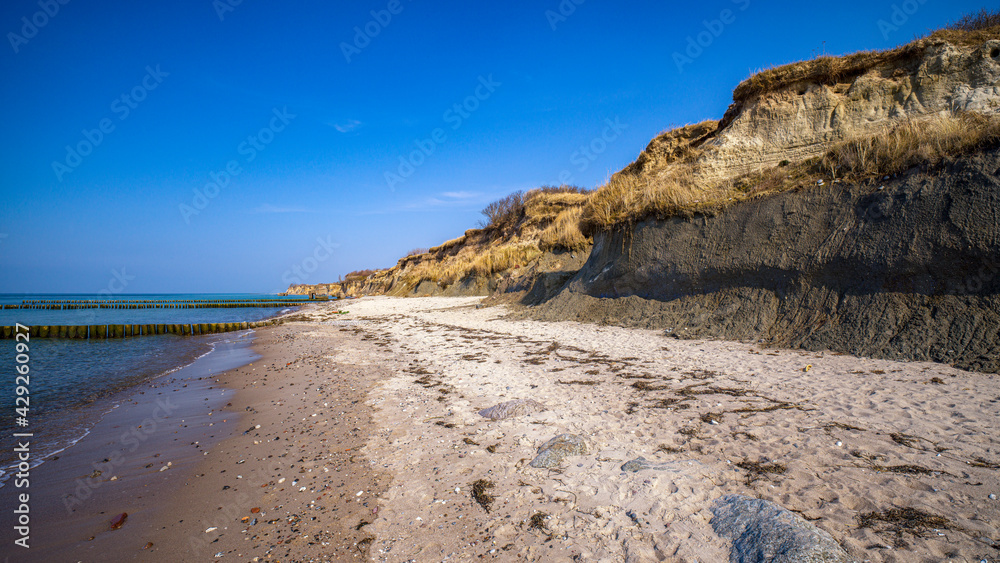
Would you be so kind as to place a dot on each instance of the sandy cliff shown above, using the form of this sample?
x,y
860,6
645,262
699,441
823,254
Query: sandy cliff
x,y
848,203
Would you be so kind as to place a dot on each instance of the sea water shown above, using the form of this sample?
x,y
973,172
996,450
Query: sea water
x,y
73,382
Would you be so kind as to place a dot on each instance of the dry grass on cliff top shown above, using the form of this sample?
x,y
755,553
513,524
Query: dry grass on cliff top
x,y
972,30
482,261
519,228
628,198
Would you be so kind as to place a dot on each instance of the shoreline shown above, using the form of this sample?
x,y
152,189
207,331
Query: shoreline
x,y
116,465
86,416
294,484
93,413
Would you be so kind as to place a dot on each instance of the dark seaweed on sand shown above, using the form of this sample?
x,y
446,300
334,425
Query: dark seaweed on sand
x,y
537,521
901,521
758,469
480,495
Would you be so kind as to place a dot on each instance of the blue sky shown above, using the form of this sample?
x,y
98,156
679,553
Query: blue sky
x,y
234,148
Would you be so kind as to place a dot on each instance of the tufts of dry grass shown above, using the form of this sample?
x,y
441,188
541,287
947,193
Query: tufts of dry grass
x,y
912,143
358,275
971,30
978,21
564,233
443,247
626,198
924,142
502,258
542,208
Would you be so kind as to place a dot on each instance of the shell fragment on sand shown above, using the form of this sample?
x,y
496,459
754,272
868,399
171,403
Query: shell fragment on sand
x,y
551,453
511,409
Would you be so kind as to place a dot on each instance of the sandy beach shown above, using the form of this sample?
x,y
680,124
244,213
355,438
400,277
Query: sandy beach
x,y
358,437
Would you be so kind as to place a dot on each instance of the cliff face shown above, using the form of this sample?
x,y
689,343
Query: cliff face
x,y
905,269
529,235
744,228
803,118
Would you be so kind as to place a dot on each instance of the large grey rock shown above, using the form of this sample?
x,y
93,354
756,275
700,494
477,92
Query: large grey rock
x,y
551,453
510,409
763,532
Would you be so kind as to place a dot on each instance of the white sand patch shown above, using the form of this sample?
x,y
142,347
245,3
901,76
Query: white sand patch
x,y
851,435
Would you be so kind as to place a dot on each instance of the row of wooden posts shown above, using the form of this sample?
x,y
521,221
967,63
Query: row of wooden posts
x,y
110,305
129,331
120,301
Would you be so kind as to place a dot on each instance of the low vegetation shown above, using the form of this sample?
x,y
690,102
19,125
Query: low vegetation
x,y
358,275
629,198
971,30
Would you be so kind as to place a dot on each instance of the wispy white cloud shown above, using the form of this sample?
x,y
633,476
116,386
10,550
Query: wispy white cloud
x,y
461,195
351,125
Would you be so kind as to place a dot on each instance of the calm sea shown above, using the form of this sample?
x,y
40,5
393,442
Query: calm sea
x,y
72,381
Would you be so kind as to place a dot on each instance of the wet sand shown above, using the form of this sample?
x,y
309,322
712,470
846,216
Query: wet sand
x,y
129,462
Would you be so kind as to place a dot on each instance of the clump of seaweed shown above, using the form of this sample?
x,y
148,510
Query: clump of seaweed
x,y
711,418
669,449
779,405
578,382
905,439
470,441
844,426
644,386
670,403
901,521
904,469
689,431
869,457
982,462
362,524
537,521
480,495
759,469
